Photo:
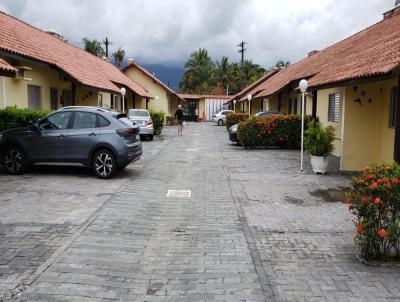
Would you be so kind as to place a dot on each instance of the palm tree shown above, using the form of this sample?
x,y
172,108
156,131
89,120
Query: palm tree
x,y
118,56
223,73
93,46
198,75
282,64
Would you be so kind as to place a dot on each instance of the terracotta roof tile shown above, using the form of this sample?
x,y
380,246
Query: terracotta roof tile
x,y
372,52
147,73
4,66
23,39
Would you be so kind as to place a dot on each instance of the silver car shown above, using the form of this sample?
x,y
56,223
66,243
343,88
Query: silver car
x,y
141,118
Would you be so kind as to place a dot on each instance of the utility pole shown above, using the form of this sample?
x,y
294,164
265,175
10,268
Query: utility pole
x,y
242,49
107,42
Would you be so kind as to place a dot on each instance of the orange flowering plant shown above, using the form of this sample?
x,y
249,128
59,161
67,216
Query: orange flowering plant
x,y
282,131
374,199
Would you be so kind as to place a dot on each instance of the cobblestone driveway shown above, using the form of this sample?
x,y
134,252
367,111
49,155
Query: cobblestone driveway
x,y
252,230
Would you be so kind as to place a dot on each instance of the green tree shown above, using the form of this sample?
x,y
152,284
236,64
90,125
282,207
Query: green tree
x,y
251,72
282,63
93,46
118,56
224,74
198,76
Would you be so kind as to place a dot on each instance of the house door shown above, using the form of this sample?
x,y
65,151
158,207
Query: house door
x,y
53,98
67,97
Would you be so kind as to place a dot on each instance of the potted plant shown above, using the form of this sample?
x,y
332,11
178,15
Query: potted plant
x,y
319,144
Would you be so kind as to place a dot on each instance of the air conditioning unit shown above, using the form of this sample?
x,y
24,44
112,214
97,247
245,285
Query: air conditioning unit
x,y
21,73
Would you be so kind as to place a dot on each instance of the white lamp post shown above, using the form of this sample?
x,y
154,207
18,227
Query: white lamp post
x,y
234,105
249,98
123,92
303,88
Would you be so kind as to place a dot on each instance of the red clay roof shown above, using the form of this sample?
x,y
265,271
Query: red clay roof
x,y
187,96
375,51
25,40
147,73
4,66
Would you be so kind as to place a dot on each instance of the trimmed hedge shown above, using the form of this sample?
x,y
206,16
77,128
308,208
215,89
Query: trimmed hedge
x,y
13,117
282,131
235,118
158,118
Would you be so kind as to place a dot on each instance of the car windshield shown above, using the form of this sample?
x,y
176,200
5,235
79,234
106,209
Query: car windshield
x,y
140,113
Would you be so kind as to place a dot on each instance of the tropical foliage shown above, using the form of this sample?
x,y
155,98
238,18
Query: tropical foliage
x,y
93,46
375,201
318,140
198,75
202,75
118,56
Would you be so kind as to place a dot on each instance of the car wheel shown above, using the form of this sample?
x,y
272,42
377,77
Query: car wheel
x,y
104,164
220,122
14,161
151,137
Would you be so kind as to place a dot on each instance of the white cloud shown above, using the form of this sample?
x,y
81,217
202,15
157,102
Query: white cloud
x,y
168,31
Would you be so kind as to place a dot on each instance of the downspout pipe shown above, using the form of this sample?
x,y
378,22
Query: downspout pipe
x,y
342,128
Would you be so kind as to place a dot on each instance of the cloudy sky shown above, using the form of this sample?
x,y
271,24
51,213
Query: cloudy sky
x,y
167,31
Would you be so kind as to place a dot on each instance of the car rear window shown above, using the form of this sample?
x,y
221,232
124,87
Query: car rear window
x,y
103,122
138,113
125,121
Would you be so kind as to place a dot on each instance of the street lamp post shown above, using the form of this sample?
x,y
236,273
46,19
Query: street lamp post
x,y
123,92
303,88
249,98
234,105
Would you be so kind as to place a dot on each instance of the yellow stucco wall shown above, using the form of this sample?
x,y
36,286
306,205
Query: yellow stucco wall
x,y
367,136
45,77
165,102
322,114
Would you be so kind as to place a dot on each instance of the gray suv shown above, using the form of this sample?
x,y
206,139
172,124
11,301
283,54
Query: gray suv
x,y
102,139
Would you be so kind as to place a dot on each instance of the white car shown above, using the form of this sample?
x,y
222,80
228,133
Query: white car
x,y
220,117
141,118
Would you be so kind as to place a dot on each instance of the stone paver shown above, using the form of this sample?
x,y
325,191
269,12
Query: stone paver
x,y
252,230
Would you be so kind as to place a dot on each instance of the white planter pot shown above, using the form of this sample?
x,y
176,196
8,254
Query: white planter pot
x,y
319,164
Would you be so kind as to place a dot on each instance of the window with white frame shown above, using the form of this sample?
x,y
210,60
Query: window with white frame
x,y
333,108
34,97
393,107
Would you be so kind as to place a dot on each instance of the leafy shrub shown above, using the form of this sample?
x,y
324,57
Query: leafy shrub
x,y
375,201
13,117
318,141
235,118
158,118
282,131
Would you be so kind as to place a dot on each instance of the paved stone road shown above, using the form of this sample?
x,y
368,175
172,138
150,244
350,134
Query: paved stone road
x,y
252,230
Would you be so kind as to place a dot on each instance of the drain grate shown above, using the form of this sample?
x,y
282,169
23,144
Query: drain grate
x,y
179,193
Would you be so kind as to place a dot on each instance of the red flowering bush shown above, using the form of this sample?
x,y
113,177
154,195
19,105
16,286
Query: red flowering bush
x,y
282,131
375,202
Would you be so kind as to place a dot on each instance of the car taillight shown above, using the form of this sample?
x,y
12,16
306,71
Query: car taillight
x,y
150,122
127,132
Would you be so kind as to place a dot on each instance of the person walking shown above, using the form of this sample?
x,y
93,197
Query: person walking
x,y
179,118
196,115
